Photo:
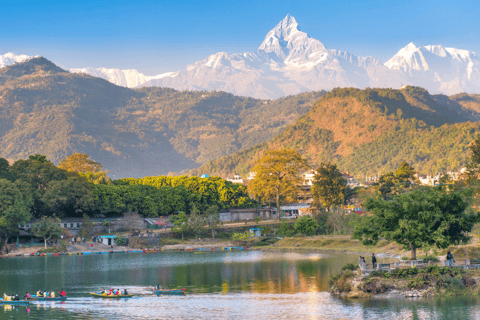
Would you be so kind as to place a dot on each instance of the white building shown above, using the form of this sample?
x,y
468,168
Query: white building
x,y
236,179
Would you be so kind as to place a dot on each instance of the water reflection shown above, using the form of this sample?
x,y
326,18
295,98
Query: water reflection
x,y
221,285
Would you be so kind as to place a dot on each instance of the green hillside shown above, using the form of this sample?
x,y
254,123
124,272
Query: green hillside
x,y
149,131
372,131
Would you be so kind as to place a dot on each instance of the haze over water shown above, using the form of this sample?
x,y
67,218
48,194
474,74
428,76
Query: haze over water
x,y
221,285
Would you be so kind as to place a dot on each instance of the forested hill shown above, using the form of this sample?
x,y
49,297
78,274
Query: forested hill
x,y
372,131
150,131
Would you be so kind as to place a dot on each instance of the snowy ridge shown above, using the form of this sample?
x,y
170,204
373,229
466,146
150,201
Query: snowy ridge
x,y
11,58
438,69
288,61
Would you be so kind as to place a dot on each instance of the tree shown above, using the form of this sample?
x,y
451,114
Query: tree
x,y
329,187
394,183
87,227
38,173
14,207
180,223
277,176
213,218
70,197
196,221
425,216
475,148
86,167
4,170
47,228
285,229
132,221
107,223
306,225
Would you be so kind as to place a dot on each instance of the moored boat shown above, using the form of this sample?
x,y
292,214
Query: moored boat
x,y
35,298
99,295
169,291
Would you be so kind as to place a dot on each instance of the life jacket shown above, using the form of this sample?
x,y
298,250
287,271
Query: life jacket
x,y
63,294
52,294
39,294
28,295
45,295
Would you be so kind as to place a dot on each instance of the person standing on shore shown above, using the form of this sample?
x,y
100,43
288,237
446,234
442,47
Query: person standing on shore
x,y
450,260
374,261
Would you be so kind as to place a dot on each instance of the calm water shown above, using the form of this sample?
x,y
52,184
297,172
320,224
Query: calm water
x,y
222,285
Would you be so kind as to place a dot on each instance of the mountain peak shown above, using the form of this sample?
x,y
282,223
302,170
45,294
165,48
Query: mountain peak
x,y
37,64
286,37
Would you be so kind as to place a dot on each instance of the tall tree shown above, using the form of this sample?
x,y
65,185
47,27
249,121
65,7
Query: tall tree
x,y
47,228
196,221
180,223
329,186
425,216
213,218
4,170
86,167
71,197
14,207
38,173
277,176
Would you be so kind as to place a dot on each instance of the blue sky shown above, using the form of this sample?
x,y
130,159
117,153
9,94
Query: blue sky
x,y
161,36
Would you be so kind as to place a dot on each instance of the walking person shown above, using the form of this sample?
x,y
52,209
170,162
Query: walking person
x,y
374,261
450,260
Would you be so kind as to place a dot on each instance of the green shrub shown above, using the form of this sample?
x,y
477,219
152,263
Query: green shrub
x,y
121,240
431,258
350,266
404,258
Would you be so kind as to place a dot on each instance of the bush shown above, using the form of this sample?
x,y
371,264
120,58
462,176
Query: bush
x,y
121,240
431,258
404,258
350,266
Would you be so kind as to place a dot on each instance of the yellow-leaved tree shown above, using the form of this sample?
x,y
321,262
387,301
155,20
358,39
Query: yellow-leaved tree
x,y
278,176
86,167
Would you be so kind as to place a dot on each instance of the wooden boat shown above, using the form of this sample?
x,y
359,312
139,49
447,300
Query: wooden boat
x,y
35,298
99,295
14,302
169,291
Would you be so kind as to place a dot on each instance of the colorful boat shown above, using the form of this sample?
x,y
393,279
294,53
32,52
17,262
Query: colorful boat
x,y
14,302
35,298
169,291
99,295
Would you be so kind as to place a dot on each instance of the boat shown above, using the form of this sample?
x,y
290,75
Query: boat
x,y
14,302
169,291
35,298
99,295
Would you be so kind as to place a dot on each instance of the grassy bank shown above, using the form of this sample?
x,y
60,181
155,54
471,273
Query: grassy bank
x,y
408,282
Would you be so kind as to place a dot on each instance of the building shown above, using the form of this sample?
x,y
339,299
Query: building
x,y
291,210
236,179
256,232
248,214
107,240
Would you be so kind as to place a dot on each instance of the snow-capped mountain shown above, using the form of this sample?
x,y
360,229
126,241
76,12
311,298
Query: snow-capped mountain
x,y
130,78
289,62
439,69
10,58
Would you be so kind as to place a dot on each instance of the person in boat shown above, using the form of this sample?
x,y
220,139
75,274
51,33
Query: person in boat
x,y
125,293
16,298
104,292
52,294
7,297
39,293
27,295
63,293
45,294
158,287
118,292
110,293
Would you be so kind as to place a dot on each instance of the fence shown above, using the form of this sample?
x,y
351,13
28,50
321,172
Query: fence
x,y
463,264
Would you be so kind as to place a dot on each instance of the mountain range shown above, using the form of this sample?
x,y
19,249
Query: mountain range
x,y
133,133
290,62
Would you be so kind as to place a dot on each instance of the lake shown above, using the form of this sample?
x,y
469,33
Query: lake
x,y
220,285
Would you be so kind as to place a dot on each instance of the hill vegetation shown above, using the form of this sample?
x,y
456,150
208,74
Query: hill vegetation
x,y
149,131
372,131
